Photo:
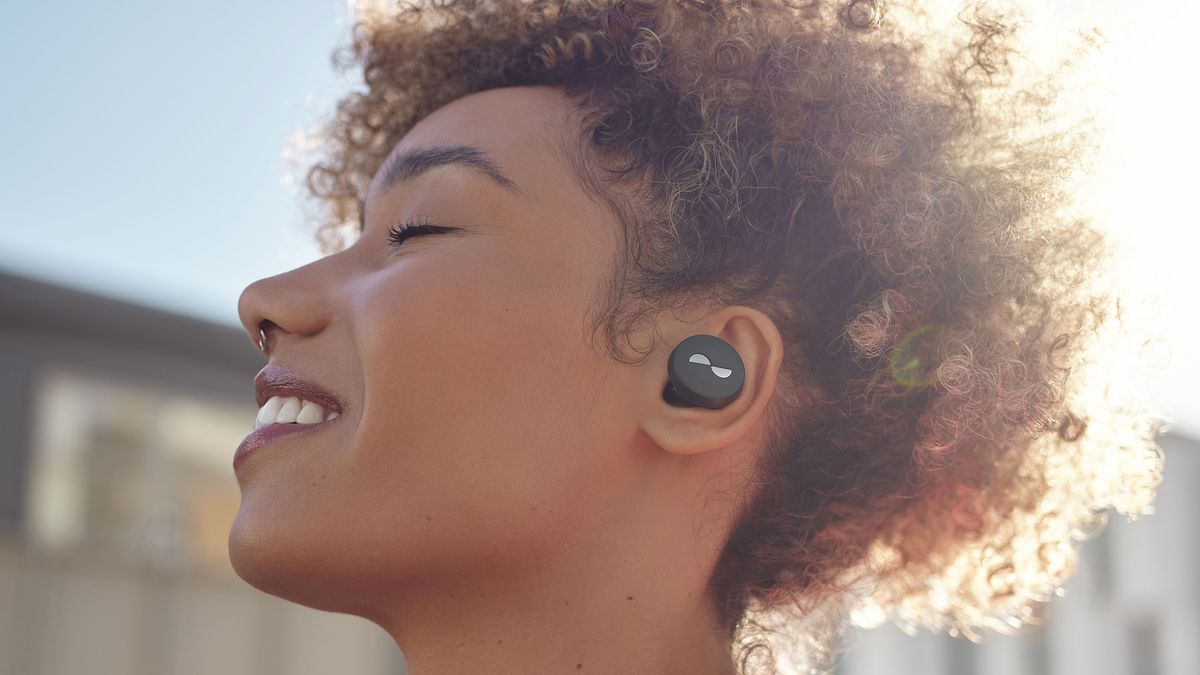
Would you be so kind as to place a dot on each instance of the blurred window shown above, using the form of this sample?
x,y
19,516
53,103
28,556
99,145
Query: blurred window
x,y
133,470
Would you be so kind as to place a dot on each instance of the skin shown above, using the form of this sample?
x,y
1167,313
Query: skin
x,y
499,495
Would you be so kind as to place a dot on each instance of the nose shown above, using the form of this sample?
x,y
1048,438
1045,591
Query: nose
x,y
292,303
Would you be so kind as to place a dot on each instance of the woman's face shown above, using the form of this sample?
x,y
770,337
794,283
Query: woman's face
x,y
479,423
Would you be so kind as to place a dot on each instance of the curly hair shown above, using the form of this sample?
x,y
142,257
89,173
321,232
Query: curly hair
x,y
898,199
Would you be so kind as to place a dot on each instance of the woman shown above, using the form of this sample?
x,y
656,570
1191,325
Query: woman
x,y
506,469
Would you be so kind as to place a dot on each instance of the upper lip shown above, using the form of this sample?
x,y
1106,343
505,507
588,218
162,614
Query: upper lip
x,y
275,380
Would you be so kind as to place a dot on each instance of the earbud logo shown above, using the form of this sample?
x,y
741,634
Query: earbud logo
x,y
717,370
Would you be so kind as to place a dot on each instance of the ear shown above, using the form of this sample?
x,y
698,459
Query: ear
x,y
687,430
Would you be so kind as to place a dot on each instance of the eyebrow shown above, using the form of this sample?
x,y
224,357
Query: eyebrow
x,y
416,161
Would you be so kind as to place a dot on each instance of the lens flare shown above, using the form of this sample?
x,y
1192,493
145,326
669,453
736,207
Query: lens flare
x,y
911,362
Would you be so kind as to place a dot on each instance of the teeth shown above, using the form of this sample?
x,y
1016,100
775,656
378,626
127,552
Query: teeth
x,y
267,413
289,410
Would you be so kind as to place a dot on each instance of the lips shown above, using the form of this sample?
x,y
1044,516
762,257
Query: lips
x,y
275,380
268,433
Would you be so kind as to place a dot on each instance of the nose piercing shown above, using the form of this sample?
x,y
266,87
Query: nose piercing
x,y
262,340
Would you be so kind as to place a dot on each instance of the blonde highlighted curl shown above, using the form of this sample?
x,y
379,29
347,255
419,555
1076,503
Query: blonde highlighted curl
x,y
897,198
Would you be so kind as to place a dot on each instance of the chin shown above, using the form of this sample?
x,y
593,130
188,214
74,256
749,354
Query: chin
x,y
292,570
254,557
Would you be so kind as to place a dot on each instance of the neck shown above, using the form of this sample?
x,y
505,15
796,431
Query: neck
x,y
514,629
614,602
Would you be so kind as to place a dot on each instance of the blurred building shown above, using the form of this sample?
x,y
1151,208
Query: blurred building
x,y
117,429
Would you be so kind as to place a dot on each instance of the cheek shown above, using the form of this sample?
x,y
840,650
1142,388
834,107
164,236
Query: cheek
x,y
481,414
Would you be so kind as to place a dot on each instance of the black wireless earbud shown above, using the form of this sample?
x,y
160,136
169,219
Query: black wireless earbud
x,y
705,371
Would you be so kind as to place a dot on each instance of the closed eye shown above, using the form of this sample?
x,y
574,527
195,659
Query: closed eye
x,y
399,233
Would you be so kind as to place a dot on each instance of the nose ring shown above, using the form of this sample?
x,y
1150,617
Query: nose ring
x,y
262,340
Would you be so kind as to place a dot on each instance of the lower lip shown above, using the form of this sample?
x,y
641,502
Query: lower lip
x,y
270,432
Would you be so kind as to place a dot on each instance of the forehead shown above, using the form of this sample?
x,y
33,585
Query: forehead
x,y
521,129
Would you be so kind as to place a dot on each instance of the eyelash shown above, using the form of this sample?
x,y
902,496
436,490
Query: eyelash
x,y
398,233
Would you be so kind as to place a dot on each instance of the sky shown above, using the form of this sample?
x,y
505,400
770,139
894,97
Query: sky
x,y
142,150
143,143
